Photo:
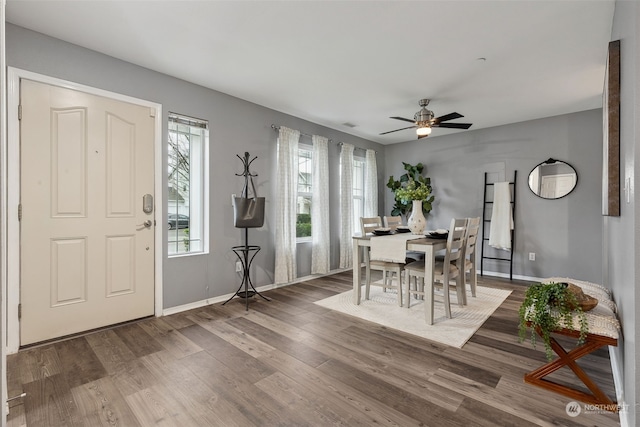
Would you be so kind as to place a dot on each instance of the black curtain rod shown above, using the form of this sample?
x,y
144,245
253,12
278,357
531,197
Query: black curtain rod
x,y
358,148
276,127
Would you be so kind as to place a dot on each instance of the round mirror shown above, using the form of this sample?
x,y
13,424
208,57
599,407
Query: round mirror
x,y
553,179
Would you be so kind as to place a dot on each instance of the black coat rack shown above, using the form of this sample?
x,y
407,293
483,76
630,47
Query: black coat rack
x,y
246,253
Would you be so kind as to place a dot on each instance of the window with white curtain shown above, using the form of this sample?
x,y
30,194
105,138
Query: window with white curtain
x,y
305,193
358,192
187,201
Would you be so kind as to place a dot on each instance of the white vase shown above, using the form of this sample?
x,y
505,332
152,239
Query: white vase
x,y
417,222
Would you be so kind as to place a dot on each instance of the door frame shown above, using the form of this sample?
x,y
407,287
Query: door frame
x,y
13,190
3,218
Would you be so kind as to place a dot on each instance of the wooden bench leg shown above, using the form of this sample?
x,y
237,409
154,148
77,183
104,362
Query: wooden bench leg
x,y
565,358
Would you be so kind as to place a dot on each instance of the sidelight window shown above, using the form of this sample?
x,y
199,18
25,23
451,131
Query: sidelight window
x,y
187,201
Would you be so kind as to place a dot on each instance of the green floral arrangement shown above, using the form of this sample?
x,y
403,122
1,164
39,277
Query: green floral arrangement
x,y
546,308
411,186
413,191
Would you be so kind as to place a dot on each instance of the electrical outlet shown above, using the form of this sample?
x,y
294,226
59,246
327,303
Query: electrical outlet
x,y
238,266
532,256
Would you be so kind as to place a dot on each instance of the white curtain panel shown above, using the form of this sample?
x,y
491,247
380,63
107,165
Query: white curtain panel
x,y
370,185
320,206
285,223
346,206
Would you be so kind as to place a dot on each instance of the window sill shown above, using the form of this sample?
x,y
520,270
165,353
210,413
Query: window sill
x,y
188,254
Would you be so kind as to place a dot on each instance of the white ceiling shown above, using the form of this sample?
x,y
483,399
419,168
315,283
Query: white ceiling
x,y
359,62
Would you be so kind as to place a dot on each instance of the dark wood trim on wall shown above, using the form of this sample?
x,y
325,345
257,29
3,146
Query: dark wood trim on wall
x,y
611,133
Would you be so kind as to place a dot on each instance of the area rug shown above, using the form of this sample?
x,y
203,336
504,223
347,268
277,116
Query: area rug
x,y
382,308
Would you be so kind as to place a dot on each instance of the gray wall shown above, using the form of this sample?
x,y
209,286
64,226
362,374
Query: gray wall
x,y
565,234
622,236
236,126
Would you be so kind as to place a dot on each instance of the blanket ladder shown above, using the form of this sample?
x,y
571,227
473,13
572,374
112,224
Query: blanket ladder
x,y
486,220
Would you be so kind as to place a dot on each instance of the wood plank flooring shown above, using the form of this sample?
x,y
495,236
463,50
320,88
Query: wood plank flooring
x,y
290,362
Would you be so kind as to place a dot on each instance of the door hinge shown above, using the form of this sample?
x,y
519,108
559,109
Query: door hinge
x,y
20,212
20,112
152,112
20,311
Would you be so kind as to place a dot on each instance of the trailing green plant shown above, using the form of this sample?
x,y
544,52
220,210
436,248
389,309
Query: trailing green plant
x,y
411,186
548,307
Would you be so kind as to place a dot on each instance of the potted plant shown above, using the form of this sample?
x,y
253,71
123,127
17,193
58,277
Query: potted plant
x,y
411,186
548,307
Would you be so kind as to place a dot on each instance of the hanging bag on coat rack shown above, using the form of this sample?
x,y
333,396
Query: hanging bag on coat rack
x,y
248,212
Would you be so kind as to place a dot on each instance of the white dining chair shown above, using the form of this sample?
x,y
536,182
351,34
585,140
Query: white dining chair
x,y
445,271
387,268
469,264
392,222
471,240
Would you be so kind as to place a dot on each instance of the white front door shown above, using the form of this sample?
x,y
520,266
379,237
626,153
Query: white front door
x,y
554,186
86,254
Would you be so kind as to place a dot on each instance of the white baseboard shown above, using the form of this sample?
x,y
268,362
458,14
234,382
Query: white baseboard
x,y
197,304
222,298
615,356
515,276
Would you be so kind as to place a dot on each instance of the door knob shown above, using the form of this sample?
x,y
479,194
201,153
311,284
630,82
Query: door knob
x,y
146,224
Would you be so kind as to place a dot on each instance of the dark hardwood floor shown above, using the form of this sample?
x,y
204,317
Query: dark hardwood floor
x,y
290,362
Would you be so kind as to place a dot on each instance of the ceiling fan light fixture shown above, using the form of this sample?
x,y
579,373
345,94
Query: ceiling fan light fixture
x,y
423,131
424,120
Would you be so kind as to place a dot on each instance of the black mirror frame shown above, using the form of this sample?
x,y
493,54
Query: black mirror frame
x,y
551,161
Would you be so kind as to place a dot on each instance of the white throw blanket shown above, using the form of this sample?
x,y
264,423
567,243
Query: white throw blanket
x,y
392,248
501,217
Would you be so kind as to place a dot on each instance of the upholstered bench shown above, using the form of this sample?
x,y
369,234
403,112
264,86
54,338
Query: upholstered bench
x,y
604,330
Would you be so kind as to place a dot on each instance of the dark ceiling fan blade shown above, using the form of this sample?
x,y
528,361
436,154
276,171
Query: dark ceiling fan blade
x,y
453,125
403,119
446,117
410,127
422,136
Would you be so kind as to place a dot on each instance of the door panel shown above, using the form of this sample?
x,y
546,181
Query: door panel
x,y
68,271
86,259
120,168
120,265
68,163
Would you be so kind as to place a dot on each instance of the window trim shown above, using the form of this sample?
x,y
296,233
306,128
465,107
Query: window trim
x,y
309,194
204,192
356,222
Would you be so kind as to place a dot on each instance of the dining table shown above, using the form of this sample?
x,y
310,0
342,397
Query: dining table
x,y
427,245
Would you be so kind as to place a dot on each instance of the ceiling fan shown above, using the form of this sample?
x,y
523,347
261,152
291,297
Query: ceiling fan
x,y
423,121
